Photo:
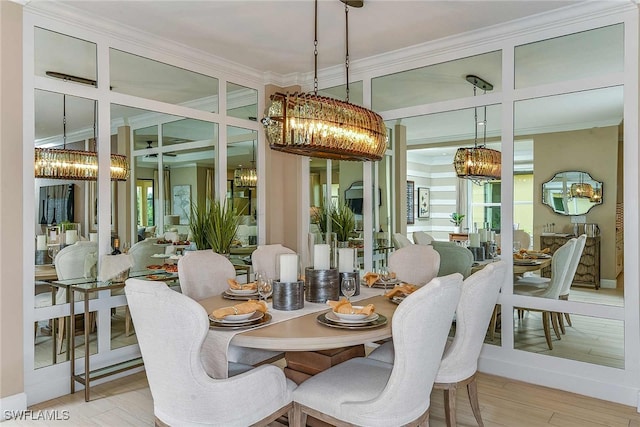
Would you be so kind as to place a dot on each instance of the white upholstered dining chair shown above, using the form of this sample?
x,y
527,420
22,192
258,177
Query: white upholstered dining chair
x,y
560,263
367,392
265,258
400,240
422,238
204,274
460,360
415,264
75,261
172,329
142,253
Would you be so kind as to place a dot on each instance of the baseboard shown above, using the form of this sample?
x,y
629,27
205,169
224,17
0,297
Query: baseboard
x,y
608,283
12,404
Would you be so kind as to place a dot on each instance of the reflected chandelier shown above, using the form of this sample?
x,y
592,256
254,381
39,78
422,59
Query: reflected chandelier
x,y
246,177
317,126
56,163
479,163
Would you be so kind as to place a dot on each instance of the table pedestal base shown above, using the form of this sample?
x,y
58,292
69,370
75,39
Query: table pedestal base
x,y
303,364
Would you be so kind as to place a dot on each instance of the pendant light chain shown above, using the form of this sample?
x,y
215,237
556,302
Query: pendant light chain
x,y
346,60
64,121
315,52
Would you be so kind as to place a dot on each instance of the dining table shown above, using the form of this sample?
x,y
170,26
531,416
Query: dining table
x,y
300,330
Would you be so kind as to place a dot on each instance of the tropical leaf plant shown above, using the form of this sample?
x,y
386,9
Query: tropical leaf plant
x,y
213,225
343,221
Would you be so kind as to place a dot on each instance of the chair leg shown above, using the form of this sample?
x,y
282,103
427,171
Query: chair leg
x,y
450,406
127,322
492,323
545,325
62,332
554,323
472,390
299,417
560,320
566,316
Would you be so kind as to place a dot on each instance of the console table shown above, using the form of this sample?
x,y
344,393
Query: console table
x,y
588,271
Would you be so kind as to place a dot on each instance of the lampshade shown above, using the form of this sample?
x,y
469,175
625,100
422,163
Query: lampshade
x,y
318,126
245,177
581,190
171,219
76,164
478,163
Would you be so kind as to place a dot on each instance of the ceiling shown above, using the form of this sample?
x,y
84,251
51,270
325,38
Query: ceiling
x,y
277,36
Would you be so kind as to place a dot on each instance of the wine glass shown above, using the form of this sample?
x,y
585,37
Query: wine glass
x,y
385,277
53,251
265,287
348,287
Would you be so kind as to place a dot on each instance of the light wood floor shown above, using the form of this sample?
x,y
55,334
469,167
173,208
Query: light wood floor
x,y
504,402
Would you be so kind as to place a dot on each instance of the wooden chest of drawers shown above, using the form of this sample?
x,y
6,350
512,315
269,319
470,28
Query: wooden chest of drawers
x,y
588,271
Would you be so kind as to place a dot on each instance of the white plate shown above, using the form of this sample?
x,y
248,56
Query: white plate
x,y
160,256
239,318
351,316
332,316
242,291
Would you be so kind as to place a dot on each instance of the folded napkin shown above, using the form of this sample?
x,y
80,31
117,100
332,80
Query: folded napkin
x,y
370,278
242,308
344,307
233,284
112,265
404,289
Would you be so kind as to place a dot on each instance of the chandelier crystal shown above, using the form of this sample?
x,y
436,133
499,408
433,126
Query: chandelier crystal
x,y
318,126
478,164
76,165
245,177
63,163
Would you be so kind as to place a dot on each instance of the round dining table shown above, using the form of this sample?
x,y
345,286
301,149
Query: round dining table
x,y
306,333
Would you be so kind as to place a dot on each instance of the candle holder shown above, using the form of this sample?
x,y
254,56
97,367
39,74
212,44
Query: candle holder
x,y
478,253
322,285
288,296
356,277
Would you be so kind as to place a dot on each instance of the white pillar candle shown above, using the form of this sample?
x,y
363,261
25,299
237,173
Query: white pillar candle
x,y
41,242
345,260
93,237
53,235
493,236
321,257
70,237
288,268
474,240
483,235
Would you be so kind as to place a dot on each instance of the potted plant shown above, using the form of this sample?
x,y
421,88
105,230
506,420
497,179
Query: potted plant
x,y
213,225
456,220
343,221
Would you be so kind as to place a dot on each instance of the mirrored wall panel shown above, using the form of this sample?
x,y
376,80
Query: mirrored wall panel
x,y
572,57
587,339
63,57
139,76
242,102
439,82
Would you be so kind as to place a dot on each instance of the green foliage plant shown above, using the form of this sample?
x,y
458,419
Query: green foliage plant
x,y
213,225
343,221
457,218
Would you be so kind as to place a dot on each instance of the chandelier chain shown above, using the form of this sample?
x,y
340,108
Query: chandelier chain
x,y
315,51
64,121
346,59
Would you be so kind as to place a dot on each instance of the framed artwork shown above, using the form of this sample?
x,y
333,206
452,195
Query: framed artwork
x,y
424,200
410,204
182,202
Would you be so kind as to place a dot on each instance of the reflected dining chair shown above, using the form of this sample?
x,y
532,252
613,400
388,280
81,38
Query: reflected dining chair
x,y
367,392
422,238
460,360
560,263
72,262
172,329
204,274
415,264
142,254
535,285
400,240
265,258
